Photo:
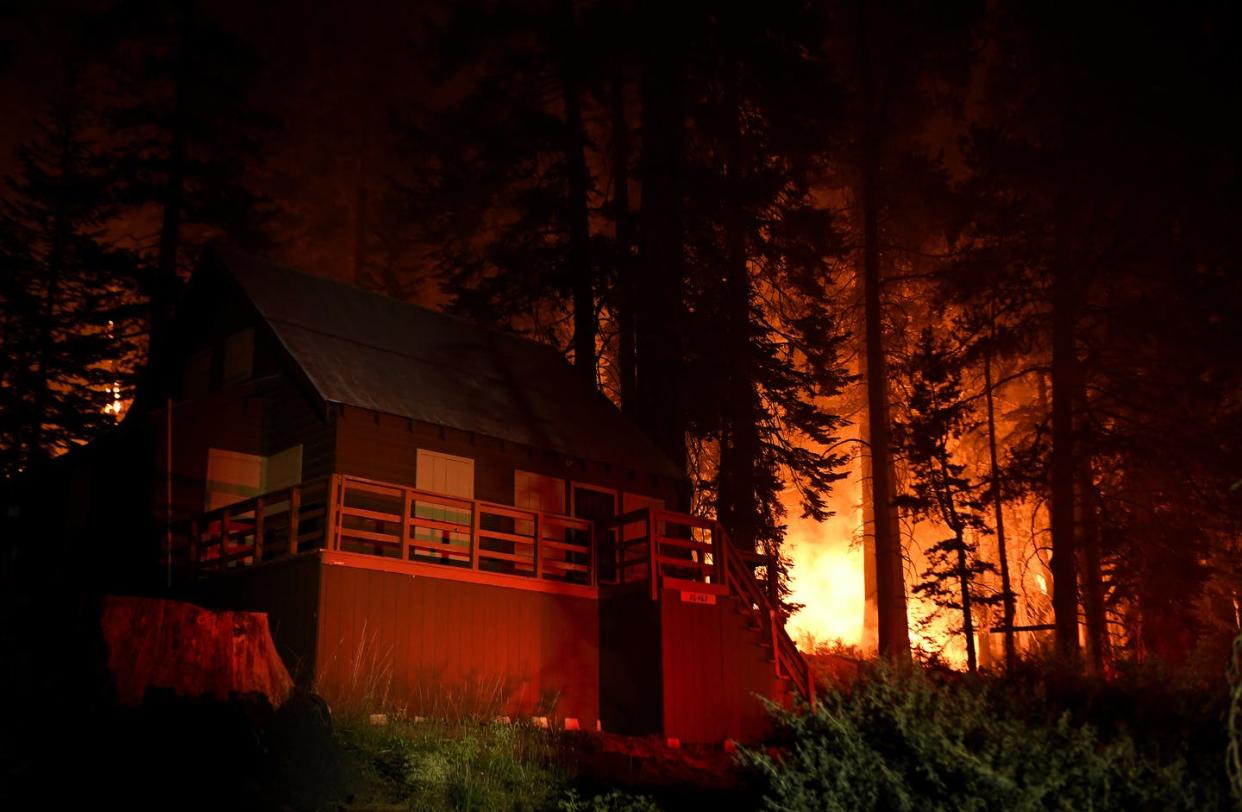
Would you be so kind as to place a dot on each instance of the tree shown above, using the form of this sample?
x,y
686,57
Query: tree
x,y
185,137
941,490
906,68
506,191
69,300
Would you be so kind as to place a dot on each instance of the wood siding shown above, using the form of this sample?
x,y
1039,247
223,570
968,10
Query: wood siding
x,y
385,448
440,647
713,664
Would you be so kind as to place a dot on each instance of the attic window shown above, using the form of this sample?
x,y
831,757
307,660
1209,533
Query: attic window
x,y
238,363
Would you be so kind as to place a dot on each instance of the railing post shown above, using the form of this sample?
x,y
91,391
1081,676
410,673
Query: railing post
x,y
653,551
224,535
592,556
295,509
475,525
195,539
332,539
619,554
407,500
258,530
538,543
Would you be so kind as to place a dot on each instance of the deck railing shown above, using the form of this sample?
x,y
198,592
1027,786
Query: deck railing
x,y
658,548
274,525
399,522
356,515
674,550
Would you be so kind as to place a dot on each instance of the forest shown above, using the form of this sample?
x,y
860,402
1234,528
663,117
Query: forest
x,y
981,259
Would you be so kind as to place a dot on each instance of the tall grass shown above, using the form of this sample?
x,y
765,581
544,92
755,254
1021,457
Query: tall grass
x,y
361,682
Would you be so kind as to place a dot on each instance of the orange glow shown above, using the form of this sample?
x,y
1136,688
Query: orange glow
x,y
827,572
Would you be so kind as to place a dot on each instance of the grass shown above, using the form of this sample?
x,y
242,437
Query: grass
x,y
466,765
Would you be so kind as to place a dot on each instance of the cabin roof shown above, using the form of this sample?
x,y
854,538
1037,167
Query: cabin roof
x,y
363,349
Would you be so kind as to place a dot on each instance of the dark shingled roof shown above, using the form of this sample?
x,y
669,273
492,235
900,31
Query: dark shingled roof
x,y
366,350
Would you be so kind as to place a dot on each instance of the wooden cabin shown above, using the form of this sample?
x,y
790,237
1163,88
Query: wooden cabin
x,y
443,517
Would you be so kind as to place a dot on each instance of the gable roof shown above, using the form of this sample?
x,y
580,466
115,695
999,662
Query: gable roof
x,y
366,350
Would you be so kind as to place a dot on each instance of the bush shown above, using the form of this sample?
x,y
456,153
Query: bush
x,y
927,741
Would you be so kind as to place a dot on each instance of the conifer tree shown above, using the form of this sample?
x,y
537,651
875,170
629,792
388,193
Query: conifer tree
x,y
69,298
186,138
941,489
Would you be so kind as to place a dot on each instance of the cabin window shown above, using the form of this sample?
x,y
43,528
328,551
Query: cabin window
x,y
538,492
196,375
447,475
282,470
233,476
238,361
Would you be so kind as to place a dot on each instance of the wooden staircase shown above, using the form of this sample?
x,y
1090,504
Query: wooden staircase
x,y
670,550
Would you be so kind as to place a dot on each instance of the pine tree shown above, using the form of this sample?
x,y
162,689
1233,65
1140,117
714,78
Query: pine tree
x,y
941,489
69,297
505,192
186,139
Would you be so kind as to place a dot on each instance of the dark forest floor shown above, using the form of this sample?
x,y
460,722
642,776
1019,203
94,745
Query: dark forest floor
x,y
176,754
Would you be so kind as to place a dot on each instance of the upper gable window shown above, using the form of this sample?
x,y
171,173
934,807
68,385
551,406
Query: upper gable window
x,y
238,362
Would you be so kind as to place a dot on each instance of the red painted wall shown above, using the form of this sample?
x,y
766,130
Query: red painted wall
x,y
713,664
438,647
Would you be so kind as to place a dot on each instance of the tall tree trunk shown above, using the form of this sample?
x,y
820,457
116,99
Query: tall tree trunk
x,y
166,280
968,621
893,631
739,442
579,214
624,225
1008,604
1089,548
1064,387
659,317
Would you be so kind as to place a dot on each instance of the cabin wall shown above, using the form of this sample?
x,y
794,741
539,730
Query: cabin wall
x,y
713,666
259,417
435,646
384,447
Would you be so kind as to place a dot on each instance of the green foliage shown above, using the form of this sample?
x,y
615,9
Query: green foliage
x,y
436,765
433,764
615,801
918,741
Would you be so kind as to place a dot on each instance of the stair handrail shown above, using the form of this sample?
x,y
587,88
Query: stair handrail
x,y
741,581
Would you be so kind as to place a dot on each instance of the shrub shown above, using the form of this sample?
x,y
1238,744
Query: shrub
x,y
918,740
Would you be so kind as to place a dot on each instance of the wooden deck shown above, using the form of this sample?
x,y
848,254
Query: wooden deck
x,y
381,526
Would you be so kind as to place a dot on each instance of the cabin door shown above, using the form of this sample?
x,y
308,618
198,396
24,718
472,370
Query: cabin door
x,y
596,504
599,505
